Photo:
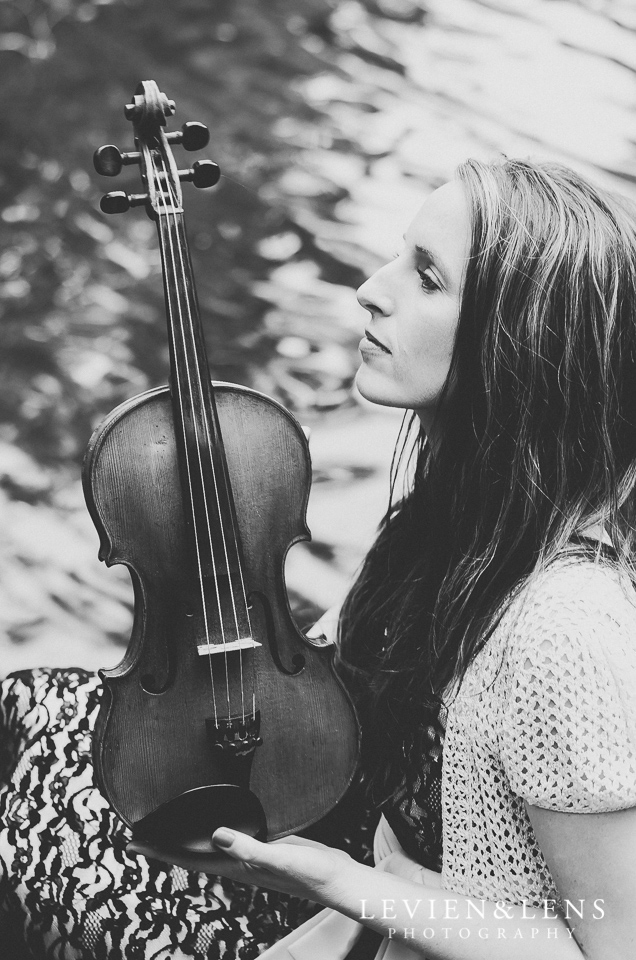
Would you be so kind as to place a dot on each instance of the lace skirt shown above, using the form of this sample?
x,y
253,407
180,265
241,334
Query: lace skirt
x,y
67,887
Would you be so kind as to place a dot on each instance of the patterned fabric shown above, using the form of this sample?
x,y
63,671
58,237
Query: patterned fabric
x,y
415,811
67,888
546,714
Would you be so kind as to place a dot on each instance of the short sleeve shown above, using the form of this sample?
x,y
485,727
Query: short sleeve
x,y
568,734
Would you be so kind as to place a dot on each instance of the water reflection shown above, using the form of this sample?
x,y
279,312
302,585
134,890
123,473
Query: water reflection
x,y
330,121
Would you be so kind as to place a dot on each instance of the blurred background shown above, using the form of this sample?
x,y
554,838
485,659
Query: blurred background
x,y
331,120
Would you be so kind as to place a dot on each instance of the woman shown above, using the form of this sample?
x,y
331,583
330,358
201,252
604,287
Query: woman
x,y
489,639
498,599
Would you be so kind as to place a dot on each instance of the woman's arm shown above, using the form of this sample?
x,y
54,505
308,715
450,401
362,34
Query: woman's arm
x,y
432,922
592,857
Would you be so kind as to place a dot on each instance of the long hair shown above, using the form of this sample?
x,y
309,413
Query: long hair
x,y
535,438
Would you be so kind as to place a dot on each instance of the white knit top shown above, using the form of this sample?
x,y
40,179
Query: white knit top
x,y
546,713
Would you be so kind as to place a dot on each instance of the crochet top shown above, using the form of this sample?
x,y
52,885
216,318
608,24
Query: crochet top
x,y
545,714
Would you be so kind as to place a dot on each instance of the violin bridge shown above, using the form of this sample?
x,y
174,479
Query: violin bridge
x,y
246,643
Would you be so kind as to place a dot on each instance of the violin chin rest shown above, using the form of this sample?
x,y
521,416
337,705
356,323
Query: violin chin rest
x,y
184,825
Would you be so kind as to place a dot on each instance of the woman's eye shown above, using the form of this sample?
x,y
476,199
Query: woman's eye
x,y
427,280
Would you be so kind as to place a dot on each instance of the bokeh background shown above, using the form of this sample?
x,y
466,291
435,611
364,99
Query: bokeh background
x,y
331,120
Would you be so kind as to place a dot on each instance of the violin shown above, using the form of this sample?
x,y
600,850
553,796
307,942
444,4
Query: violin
x,y
221,712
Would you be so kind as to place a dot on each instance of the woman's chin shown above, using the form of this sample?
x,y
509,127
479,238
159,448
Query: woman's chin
x,y
368,390
375,389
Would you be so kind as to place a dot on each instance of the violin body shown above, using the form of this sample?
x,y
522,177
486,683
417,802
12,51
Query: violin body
x,y
221,713
153,746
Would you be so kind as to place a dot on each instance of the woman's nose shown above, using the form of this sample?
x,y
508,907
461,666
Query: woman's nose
x,y
373,297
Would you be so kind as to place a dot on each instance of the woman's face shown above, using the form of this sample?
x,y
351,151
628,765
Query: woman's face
x,y
414,303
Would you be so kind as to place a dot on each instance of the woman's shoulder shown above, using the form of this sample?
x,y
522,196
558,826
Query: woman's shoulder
x,y
567,695
574,608
576,616
575,577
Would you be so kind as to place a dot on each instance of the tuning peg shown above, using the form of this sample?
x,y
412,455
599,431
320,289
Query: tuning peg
x,y
204,173
120,202
192,136
108,160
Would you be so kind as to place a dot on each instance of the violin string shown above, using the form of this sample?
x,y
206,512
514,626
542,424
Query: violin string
x,y
236,539
249,620
169,306
174,188
202,583
235,534
215,479
156,197
202,482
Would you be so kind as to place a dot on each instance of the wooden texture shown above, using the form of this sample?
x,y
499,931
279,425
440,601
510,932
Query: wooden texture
x,y
154,744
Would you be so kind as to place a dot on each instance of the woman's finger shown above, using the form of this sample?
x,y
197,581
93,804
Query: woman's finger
x,y
240,846
214,863
295,867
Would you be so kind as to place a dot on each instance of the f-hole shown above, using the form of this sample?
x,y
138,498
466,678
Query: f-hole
x,y
298,661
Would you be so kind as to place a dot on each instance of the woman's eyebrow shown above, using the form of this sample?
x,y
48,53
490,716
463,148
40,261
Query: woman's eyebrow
x,y
435,261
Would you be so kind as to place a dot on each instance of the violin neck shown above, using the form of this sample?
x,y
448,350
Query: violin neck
x,y
189,367
207,494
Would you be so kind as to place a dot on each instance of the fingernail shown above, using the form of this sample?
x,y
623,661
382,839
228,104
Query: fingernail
x,y
223,837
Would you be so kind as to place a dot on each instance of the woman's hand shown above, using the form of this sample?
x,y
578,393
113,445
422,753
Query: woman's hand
x,y
400,865
295,866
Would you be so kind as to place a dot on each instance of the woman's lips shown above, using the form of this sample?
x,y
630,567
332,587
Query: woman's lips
x,y
369,339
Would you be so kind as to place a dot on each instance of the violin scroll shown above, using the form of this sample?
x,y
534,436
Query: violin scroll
x,y
150,106
159,172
